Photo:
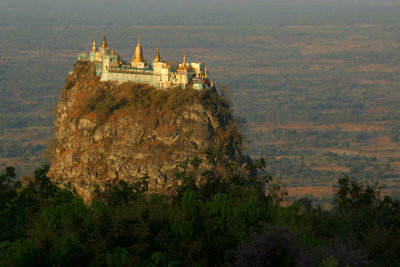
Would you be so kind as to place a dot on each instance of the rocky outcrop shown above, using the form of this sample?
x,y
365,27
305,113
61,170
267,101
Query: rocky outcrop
x,y
106,131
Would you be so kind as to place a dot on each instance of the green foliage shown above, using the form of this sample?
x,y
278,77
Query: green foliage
x,y
23,253
44,225
329,262
354,196
117,257
68,251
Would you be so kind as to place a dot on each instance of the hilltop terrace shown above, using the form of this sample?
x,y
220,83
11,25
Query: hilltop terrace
x,y
161,74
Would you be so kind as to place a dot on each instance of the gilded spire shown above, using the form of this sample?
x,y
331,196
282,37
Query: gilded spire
x,y
138,53
158,58
212,84
205,72
183,67
112,52
104,45
94,47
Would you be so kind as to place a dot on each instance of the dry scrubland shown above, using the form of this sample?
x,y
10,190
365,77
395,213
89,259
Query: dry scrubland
x,y
346,83
318,87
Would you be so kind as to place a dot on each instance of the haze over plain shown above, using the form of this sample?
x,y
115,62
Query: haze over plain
x,y
317,81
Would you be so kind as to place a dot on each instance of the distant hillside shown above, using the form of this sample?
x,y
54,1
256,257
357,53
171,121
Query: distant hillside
x,y
105,132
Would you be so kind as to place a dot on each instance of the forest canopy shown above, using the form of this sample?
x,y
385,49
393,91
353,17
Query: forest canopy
x,y
225,220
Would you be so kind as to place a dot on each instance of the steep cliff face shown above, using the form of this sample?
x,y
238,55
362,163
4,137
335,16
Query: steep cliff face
x,y
105,132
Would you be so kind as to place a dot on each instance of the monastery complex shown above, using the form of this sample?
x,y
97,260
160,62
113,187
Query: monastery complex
x,y
162,74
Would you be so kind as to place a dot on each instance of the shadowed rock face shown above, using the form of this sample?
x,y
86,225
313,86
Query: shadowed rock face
x,y
105,132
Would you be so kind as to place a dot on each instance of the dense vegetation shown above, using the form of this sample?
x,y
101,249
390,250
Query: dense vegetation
x,y
222,220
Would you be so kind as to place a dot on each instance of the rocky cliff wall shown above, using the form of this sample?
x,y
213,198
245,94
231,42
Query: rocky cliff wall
x,y
106,131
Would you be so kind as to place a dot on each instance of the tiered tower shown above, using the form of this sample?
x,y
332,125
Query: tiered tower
x,y
94,47
138,61
158,58
104,47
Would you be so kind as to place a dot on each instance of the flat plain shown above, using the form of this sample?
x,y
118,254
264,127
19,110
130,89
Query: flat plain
x,y
315,85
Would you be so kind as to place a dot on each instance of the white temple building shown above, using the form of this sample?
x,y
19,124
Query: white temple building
x,y
161,74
